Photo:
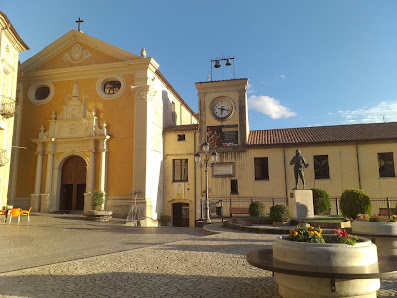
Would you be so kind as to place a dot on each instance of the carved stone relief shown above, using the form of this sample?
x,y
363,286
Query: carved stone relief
x,y
77,54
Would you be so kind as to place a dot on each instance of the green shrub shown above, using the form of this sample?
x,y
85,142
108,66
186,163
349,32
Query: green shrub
x,y
97,198
280,213
321,200
353,202
164,220
257,209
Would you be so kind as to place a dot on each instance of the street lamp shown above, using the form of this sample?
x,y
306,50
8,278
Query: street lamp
x,y
205,165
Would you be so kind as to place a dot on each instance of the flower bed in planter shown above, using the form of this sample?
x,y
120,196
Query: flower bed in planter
x,y
325,255
382,233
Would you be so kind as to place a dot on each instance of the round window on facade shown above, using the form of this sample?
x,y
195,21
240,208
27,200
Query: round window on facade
x,y
41,93
110,86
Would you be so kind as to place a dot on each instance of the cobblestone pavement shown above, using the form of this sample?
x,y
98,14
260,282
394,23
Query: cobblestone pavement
x,y
132,262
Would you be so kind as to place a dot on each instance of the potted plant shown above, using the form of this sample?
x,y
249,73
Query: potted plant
x,y
307,246
280,215
382,231
97,200
164,220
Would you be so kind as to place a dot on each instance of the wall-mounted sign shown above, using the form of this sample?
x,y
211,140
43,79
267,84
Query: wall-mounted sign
x,y
222,135
179,191
223,169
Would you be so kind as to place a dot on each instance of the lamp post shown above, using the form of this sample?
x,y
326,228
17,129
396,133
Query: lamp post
x,y
206,164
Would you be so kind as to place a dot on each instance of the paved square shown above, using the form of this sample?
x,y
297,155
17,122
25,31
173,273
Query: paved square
x,y
68,256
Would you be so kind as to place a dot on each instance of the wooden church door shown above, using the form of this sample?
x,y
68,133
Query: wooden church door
x,y
73,186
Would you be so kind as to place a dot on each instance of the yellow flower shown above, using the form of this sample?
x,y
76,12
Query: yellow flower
x,y
310,233
317,234
295,233
311,228
320,230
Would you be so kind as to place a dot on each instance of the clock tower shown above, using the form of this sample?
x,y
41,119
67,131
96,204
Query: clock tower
x,y
224,113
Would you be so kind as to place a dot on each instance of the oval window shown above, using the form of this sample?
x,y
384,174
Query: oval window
x,y
111,87
42,92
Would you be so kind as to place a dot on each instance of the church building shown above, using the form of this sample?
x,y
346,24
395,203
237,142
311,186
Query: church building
x,y
91,117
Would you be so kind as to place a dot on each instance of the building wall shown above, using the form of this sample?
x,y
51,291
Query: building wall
x,y
10,47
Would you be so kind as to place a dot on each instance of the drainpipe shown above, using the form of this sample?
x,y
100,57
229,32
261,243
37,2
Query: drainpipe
x,y
285,177
358,168
195,180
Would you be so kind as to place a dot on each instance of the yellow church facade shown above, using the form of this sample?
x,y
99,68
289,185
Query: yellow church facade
x,y
256,164
92,117
11,45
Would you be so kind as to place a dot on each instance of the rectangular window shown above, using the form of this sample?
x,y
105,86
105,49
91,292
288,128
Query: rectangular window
x,y
181,137
386,164
321,167
180,169
233,187
261,168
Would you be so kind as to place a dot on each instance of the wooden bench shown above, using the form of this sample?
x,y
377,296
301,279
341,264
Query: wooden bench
x,y
387,212
238,210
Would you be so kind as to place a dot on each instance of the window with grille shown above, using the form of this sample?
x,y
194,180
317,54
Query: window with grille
x,y
321,167
386,164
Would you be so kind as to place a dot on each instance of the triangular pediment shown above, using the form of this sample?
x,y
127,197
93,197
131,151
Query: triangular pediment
x,y
75,49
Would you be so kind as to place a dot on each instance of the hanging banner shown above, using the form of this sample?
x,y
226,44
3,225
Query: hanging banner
x,y
179,191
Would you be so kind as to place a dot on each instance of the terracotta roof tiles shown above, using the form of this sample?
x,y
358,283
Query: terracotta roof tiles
x,y
325,134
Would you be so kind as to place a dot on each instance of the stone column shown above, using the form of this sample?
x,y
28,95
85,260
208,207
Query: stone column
x,y
90,180
35,197
104,166
47,196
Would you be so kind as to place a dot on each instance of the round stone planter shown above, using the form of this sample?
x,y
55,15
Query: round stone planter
x,y
383,234
99,215
325,255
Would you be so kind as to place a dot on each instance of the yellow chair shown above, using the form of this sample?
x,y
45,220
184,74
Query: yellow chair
x,y
26,212
14,212
3,212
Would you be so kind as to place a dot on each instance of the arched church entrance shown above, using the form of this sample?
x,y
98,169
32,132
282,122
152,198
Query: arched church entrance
x,y
180,215
73,184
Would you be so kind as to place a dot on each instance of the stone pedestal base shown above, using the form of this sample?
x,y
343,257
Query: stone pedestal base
x,y
87,202
300,203
46,203
99,215
35,202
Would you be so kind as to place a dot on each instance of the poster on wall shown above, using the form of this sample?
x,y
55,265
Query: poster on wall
x,y
222,135
179,191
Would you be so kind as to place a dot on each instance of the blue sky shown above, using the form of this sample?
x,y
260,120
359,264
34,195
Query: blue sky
x,y
308,62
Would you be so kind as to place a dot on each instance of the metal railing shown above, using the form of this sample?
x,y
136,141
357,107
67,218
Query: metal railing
x,y
221,207
8,106
376,203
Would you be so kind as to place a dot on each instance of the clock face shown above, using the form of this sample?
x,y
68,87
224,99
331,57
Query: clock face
x,y
222,108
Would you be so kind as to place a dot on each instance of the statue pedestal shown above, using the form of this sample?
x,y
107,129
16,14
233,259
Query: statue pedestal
x,y
300,202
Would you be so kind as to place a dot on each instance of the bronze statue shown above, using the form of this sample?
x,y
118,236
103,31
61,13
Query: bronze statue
x,y
299,164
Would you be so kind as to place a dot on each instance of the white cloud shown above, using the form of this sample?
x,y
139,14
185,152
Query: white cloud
x,y
269,106
283,76
250,88
373,114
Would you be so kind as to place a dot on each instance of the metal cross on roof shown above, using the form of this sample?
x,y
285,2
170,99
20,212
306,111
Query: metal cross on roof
x,y
79,21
